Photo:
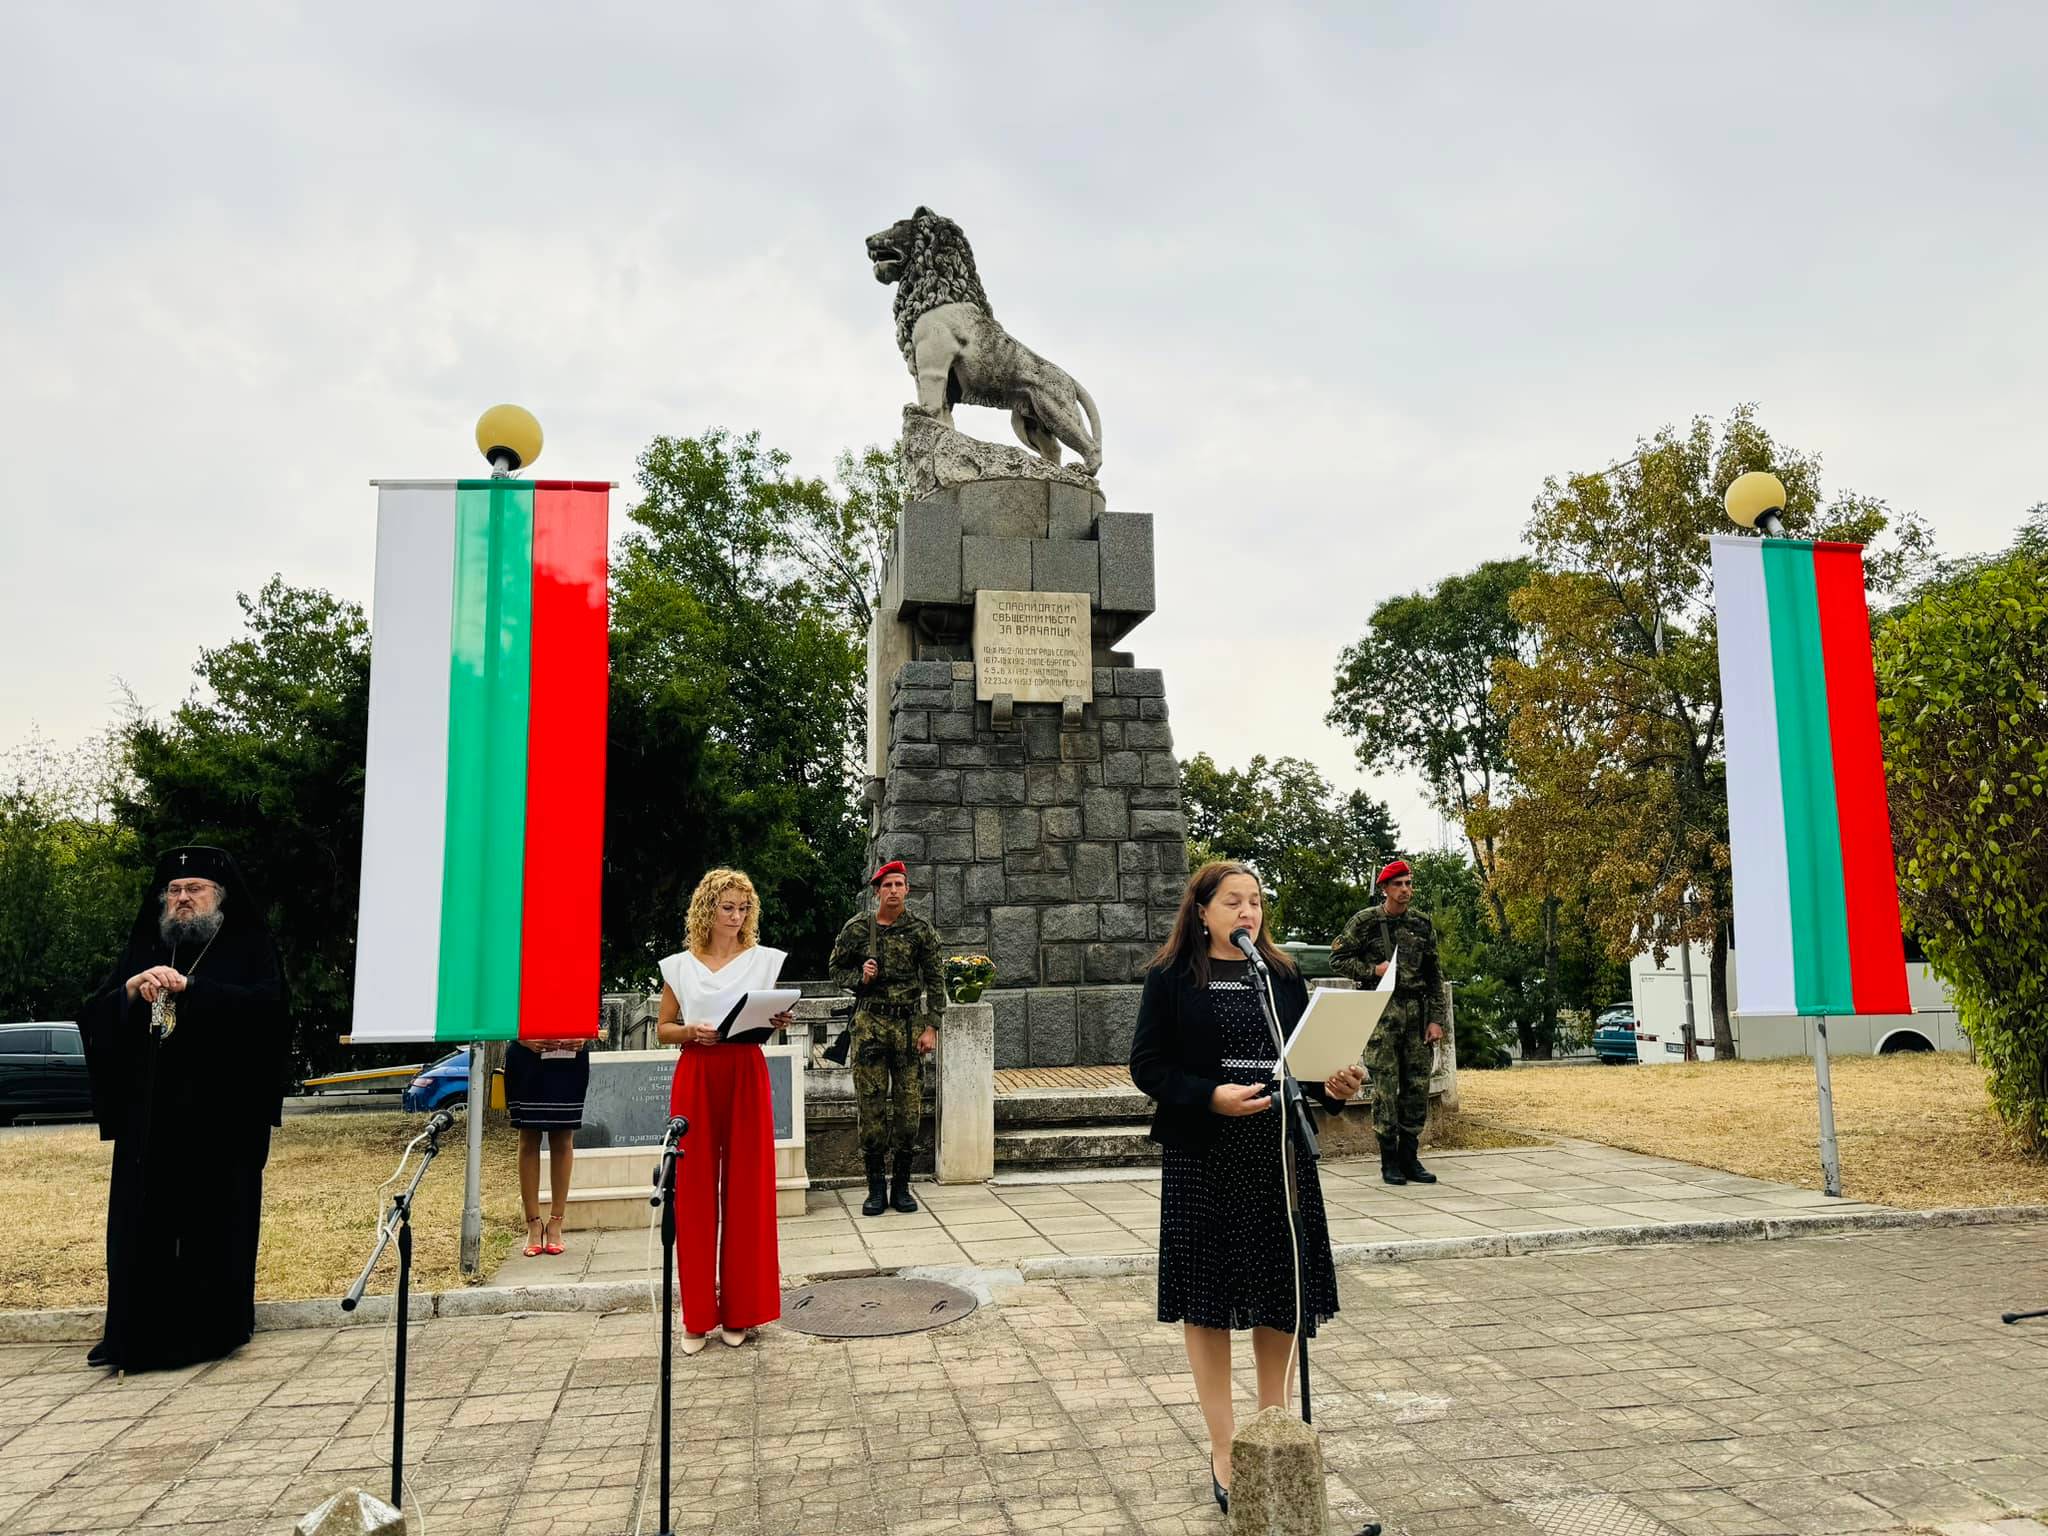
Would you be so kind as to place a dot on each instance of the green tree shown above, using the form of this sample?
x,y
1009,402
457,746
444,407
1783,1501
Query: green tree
x,y
740,605
1962,672
1416,692
1316,849
69,880
1615,717
1486,992
266,759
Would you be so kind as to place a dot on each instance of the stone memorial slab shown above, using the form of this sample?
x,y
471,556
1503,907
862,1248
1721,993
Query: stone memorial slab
x,y
1033,646
627,1105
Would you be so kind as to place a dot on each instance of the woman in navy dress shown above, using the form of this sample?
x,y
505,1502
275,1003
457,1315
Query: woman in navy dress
x,y
1204,1052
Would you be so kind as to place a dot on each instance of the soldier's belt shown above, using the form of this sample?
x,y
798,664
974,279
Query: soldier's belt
x,y
889,1010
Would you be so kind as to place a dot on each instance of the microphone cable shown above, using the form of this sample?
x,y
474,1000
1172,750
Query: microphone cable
x,y
1287,1204
1263,985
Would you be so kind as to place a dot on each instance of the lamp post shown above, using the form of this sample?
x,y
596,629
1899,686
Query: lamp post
x,y
1757,500
509,437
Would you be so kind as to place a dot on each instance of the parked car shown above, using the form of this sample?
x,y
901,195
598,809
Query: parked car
x,y
445,1082
42,1073
1614,1034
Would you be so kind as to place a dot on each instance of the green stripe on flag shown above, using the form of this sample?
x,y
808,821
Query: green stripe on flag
x,y
483,884
1813,841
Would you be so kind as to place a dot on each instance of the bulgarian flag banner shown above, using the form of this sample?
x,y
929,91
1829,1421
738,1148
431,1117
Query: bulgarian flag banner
x,y
1817,928
483,809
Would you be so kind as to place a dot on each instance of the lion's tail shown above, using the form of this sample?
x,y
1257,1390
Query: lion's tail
x,y
1094,426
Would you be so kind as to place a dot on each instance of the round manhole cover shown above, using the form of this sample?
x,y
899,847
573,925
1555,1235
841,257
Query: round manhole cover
x,y
868,1309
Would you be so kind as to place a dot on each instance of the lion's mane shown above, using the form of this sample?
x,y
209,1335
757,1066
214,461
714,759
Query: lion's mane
x,y
938,268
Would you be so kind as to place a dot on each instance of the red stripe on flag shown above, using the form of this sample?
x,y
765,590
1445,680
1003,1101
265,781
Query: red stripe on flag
x,y
1877,957
558,986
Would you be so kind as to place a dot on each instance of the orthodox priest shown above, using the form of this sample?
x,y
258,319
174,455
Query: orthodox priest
x,y
186,1041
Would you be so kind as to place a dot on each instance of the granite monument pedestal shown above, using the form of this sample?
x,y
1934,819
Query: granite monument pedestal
x,y
1046,832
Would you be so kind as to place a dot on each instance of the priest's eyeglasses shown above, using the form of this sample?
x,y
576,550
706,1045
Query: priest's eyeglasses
x,y
188,887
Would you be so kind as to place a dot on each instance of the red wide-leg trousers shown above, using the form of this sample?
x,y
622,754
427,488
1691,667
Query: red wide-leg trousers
x,y
726,1257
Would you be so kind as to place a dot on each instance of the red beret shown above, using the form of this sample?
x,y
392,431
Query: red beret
x,y
1394,871
893,867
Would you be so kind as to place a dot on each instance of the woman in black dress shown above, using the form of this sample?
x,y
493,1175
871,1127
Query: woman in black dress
x,y
1204,1052
545,1085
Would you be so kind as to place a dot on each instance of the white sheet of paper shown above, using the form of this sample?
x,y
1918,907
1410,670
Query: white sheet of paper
x,y
1333,1031
761,1008
1386,981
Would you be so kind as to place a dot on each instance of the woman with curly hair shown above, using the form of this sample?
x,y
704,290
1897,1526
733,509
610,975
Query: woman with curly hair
x,y
726,1257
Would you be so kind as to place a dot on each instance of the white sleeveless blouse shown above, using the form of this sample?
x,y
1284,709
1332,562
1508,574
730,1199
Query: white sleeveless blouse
x,y
694,983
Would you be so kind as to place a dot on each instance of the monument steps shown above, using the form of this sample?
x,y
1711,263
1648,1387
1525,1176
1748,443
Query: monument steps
x,y
1073,1146
1069,1118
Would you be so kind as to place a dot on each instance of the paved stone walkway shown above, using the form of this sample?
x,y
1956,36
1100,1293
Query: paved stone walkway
x,y
1854,1383
1574,1184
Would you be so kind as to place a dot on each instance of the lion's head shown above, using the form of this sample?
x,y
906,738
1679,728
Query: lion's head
x,y
928,258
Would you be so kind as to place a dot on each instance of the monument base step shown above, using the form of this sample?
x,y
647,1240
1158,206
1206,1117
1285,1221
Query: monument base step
x,y
1074,1146
609,1187
613,1207
1070,1106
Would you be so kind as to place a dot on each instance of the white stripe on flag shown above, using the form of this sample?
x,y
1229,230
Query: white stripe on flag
x,y
405,794
1756,804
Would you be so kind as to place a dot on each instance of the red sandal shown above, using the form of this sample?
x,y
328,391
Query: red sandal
x,y
533,1249
556,1246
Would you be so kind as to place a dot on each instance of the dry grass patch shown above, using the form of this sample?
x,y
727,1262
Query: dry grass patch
x,y
1463,1133
319,1209
1915,1131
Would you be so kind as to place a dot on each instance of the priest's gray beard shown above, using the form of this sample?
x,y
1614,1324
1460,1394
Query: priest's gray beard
x,y
190,930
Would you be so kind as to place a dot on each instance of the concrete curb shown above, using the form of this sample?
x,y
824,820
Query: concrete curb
x,y
1501,1245
82,1324
69,1325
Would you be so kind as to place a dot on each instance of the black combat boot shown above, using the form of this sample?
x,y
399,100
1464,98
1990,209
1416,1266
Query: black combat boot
x,y
878,1188
1411,1165
900,1198
1390,1162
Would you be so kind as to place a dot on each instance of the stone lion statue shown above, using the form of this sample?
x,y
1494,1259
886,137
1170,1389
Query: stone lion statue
x,y
956,350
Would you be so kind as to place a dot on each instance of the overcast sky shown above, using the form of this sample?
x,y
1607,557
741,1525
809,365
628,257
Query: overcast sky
x,y
1346,283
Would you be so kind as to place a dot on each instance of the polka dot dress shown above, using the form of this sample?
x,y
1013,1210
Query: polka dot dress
x,y
1224,1256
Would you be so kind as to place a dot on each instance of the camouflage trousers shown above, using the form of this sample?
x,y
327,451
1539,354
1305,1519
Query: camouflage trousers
x,y
888,1081
1399,1059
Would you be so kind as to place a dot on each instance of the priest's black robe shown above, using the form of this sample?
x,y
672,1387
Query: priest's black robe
x,y
190,1117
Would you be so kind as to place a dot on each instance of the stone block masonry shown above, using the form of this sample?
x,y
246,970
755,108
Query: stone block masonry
x,y
1061,853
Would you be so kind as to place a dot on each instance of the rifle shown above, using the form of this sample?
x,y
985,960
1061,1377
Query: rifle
x,y
837,1051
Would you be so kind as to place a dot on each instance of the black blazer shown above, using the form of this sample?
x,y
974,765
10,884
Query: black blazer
x,y
1177,1053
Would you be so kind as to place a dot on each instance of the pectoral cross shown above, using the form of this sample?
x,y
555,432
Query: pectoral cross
x,y
163,1015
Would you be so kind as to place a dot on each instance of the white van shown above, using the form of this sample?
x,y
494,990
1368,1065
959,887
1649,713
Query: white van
x,y
1659,995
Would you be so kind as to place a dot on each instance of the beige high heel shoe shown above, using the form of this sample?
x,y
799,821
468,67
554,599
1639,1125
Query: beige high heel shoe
x,y
734,1337
693,1343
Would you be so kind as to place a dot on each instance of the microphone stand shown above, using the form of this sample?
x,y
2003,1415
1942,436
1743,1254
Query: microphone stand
x,y
398,1222
1294,1108
665,1198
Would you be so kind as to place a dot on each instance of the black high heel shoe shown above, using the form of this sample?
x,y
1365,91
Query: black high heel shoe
x,y
1222,1493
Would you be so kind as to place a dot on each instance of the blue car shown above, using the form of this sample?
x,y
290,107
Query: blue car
x,y
1614,1034
445,1082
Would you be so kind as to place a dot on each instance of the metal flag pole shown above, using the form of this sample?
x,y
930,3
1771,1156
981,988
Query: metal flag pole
x,y
473,1170
1830,1159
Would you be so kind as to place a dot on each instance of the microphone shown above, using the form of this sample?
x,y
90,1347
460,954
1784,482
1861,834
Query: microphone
x,y
1242,938
678,1128
442,1122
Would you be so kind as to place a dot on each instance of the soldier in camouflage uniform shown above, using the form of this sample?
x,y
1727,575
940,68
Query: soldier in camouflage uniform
x,y
1402,1047
889,960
